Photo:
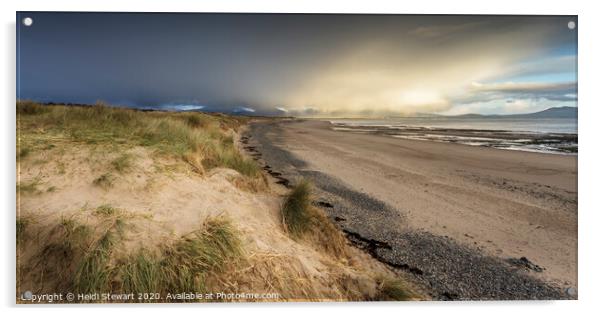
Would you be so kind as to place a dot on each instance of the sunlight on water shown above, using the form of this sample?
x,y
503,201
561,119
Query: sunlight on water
x,y
558,135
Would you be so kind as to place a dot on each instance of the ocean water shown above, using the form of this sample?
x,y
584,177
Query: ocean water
x,y
535,125
548,135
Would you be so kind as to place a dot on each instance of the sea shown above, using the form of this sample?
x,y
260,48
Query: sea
x,y
547,135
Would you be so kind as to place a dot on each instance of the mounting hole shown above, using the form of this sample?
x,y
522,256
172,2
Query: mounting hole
x,y
27,21
571,25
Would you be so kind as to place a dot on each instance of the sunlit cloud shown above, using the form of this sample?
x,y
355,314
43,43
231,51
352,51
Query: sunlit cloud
x,y
434,31
183,107
244,109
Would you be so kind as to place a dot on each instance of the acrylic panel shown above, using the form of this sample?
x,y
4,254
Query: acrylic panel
x,y
215,157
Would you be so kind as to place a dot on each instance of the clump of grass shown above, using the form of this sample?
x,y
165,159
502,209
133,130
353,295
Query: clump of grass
x,y
232,159
29,187
223,153
73,233
22,224
23,152
67,224
188,262
104,181
141,273
197,120
228,140
301,219
295,210
195,162
27,107
172,136
58,258
93,273
49,147
194,121
123,163
105,210
254,185
393,290
326,235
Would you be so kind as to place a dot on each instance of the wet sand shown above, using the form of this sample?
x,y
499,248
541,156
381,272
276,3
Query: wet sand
x,y
497,205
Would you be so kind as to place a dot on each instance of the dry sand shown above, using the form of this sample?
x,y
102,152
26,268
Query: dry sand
x,y
507,204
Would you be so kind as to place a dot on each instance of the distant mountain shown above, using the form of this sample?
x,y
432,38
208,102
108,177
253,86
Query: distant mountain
x,y
557,112
416,115
425,115
474,115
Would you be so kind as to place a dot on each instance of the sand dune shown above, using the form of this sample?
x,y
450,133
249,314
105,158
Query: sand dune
x,y
109,205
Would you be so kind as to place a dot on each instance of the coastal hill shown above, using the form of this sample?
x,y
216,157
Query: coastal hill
x,y
556,112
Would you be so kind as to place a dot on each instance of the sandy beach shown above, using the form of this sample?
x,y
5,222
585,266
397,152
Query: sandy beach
x,y
451,215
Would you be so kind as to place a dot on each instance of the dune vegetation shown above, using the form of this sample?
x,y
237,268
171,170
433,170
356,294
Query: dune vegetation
x,y
304,221
197,138
114,200
79,257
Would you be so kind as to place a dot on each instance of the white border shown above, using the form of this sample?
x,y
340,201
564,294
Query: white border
x,y
590,176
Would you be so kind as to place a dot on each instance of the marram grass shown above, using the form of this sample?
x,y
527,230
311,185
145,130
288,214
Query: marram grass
x,y
302,220
84,262
296,213
178,134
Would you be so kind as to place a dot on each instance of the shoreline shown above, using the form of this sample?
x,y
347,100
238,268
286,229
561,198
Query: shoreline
x,y
530,141
447,263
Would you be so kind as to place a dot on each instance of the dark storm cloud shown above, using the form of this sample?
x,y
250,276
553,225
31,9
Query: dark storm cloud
x,y
275,64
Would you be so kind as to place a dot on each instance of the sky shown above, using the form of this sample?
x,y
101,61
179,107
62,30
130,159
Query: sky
x,y
300,65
